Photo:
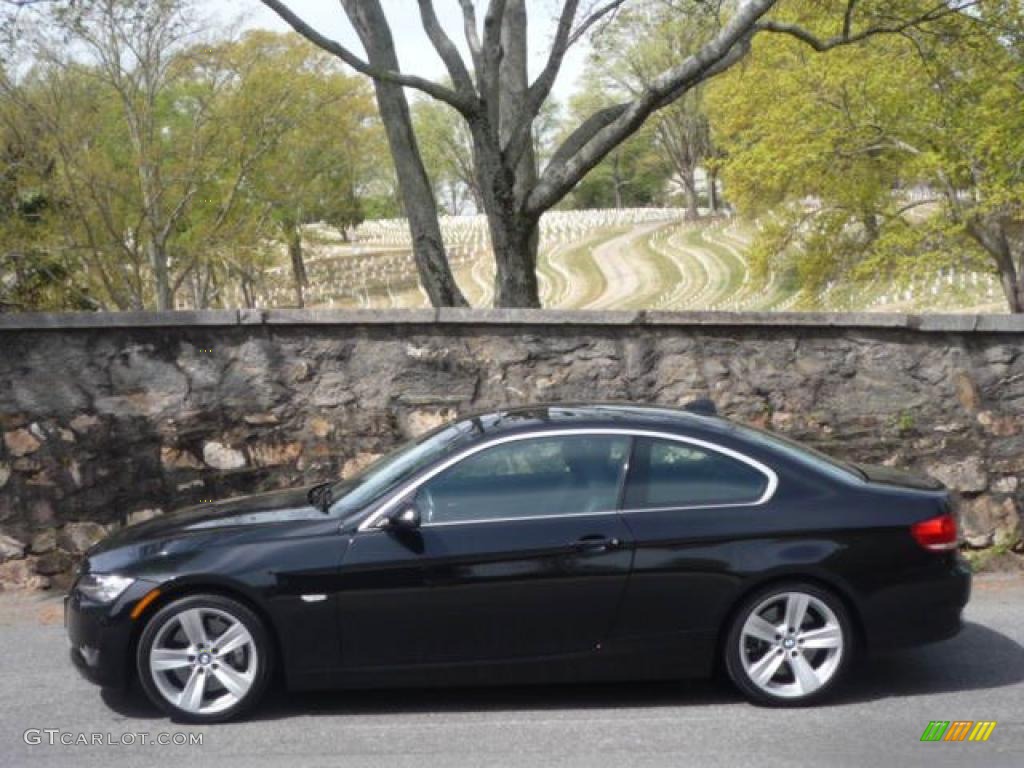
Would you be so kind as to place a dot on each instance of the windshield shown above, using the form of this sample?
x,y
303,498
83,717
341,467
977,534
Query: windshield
x,y
798,451
392,470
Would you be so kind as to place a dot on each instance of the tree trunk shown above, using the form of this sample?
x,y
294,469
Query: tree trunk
x,y
294,233
1014,292
689,180
713,201
872,226
991,235
477,196
617,182
248,293
454,204
161,276
515,239
193,288
210,288
428,249
509,105
515,236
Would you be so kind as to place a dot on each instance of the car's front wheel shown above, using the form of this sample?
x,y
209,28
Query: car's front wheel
x,y
789,644
204,658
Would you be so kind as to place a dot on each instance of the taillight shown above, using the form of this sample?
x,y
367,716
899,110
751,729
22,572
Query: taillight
x,y
939,534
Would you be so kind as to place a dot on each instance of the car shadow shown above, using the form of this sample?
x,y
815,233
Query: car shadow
x,y
978,658
281,704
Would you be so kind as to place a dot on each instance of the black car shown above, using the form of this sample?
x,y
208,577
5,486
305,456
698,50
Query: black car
x,y
548,543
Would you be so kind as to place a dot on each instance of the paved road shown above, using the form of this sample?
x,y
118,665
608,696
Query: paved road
x,y
979,675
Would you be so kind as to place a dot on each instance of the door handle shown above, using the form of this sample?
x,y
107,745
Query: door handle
x,y
596,544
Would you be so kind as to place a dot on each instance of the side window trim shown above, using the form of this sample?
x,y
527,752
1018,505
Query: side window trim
x,y
620,497
630,463
374,519
769,475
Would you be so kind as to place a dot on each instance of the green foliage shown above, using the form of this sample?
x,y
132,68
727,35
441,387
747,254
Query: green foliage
x,y
147,158
447,149
882,160
203,158
647,38
324,146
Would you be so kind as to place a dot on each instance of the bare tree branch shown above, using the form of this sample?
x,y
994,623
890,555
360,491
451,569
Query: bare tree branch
x,y
912,205
17,5
565,38
472,36
439,92
847,36
585,132
848,17
594,17
490,77
493,20
542,85
593,140
446,49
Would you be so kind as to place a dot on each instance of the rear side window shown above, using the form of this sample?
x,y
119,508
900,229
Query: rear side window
x,y
665,474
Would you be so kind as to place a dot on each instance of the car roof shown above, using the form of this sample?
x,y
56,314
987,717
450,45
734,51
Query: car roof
x,y
698,424
555,416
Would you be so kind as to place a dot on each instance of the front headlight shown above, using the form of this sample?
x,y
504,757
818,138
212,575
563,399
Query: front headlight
x,y
103,587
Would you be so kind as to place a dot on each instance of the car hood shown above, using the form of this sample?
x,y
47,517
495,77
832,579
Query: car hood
x,y
258,509
877,473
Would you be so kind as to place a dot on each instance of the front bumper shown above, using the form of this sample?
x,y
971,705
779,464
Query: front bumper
x,y
102,635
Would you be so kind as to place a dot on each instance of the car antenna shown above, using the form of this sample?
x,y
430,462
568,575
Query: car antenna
x,y
702,406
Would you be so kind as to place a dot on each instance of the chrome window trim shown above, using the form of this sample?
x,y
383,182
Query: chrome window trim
x,y
372,522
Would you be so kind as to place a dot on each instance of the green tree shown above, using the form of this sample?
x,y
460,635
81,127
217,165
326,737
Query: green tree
x,y
447,148
644,40
493,92
899,157
116,95
634,174
326,139
447,155
33,272
172,174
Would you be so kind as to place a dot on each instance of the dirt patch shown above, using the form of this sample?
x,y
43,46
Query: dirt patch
x,y
997,562
31,609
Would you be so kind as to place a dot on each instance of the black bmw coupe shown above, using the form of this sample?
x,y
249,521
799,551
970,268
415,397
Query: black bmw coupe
x,y
549,543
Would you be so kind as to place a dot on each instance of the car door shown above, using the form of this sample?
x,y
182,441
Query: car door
x,y
519,554
689,504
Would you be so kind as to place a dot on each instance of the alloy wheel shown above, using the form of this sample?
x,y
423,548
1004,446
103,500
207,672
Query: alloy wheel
x,y
203,660
791,645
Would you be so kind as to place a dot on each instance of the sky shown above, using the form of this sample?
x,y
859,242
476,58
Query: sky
x,y
415,52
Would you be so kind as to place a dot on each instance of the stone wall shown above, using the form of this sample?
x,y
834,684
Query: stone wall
x,y
109,419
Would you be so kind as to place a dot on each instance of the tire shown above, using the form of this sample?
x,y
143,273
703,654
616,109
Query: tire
x,y
773,666
188,675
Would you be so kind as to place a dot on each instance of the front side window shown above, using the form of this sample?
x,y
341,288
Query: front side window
x,y
539,476
355,494
666,474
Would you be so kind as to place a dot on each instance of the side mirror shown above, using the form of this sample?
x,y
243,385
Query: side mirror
x,y
406,517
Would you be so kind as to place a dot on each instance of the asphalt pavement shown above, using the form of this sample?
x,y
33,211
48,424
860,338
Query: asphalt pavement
x,y
877,721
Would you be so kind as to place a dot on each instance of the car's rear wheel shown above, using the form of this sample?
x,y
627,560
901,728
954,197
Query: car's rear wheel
x,y
789,645
204,658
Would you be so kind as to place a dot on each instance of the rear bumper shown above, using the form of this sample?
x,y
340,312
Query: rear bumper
x,y
925,610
